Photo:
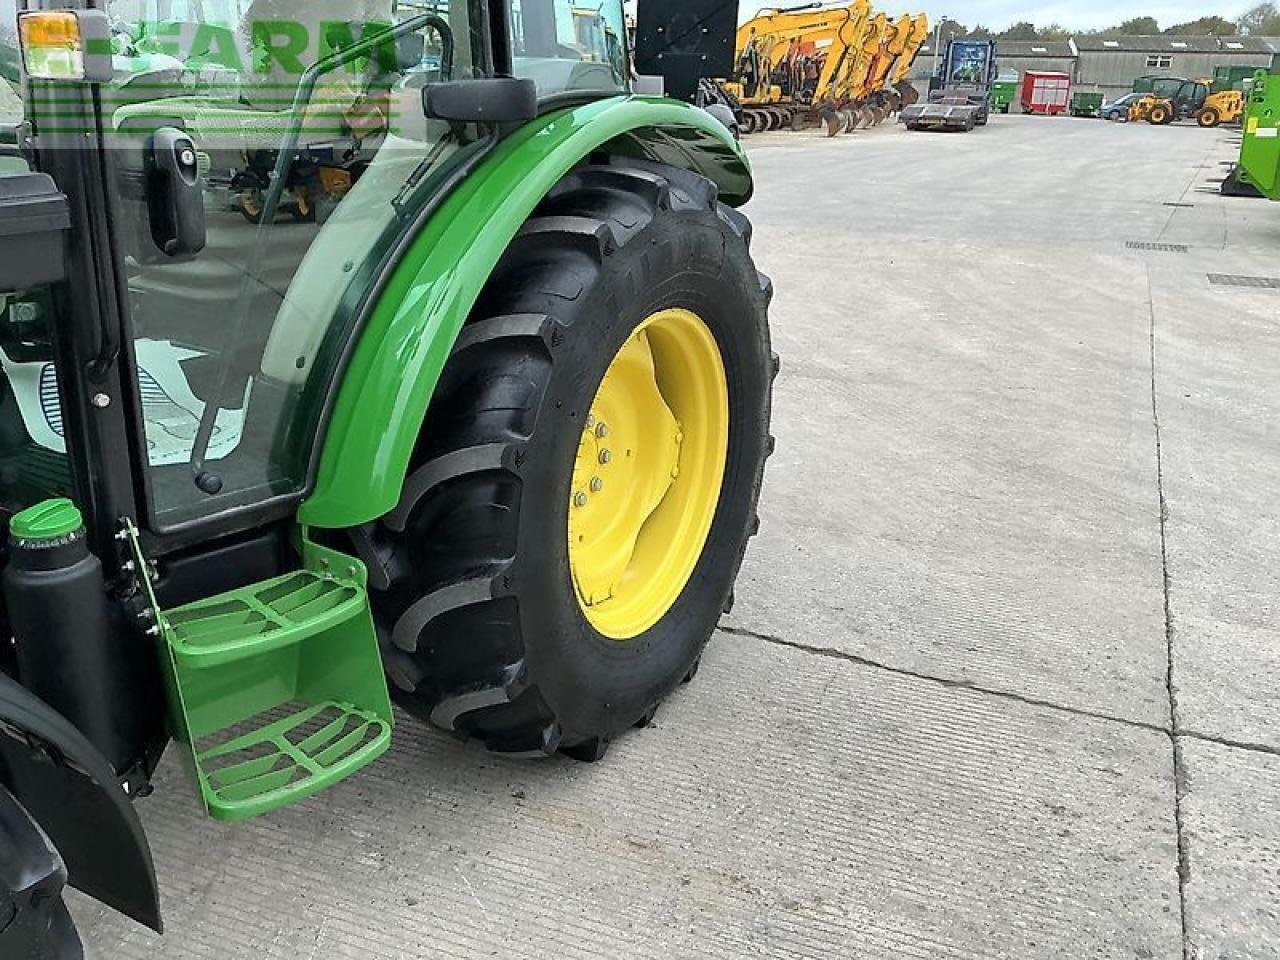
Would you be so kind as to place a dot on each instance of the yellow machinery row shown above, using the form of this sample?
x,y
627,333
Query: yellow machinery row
x,y
846,67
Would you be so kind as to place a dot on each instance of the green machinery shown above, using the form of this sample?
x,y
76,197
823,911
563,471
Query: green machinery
x,y
1258,171
1004,92
1233,78
353,354
1085,103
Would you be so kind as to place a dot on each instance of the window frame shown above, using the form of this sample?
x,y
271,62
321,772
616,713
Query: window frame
x,y
166,535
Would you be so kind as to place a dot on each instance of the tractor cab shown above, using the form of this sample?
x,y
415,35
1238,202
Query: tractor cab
x,y
201,202
261,160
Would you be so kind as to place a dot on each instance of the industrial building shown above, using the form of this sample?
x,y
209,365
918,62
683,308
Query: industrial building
x,y
1111,64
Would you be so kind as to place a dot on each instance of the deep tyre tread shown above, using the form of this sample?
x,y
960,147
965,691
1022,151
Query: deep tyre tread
x,y
478,623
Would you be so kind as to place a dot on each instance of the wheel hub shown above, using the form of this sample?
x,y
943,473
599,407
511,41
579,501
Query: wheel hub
x,y
647,474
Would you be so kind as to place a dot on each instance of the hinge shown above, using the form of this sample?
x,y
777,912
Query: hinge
x,y
145,574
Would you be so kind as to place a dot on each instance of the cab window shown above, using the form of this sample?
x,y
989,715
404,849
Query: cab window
x,y
569,47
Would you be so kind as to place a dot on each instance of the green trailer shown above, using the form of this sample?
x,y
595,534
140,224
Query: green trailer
x,y
391,353
1259,166
1086,104
1233,77
1003,94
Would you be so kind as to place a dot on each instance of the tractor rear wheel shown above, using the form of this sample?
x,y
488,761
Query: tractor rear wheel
x,y
586,480
1160,115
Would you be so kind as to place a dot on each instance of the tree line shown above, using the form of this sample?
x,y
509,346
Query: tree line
x,y
1260,21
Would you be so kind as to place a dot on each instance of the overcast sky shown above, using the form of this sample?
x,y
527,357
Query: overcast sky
x,y
1075,15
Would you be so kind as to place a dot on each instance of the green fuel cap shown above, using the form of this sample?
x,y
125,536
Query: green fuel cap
x,y
47,520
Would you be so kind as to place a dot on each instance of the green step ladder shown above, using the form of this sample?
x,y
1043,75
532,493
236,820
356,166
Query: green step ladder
x,y
276,688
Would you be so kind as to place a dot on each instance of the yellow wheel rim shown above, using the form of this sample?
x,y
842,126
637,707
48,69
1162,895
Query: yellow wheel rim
x,y
647,476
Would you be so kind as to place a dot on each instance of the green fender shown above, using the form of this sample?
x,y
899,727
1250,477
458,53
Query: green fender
x,y
403,347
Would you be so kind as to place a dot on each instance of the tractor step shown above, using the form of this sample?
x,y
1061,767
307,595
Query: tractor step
x,y
277,688
265,763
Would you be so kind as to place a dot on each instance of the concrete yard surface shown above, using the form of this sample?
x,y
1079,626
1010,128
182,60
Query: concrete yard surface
x,y
1001,679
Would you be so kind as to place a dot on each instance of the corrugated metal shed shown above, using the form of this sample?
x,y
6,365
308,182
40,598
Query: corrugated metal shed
x,y
1054,49
1111,64
1157,44
1252,44
1050,55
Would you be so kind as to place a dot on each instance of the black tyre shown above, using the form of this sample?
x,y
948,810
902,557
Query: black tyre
x,y
302,209
250,204
1209,117
34,921
483,629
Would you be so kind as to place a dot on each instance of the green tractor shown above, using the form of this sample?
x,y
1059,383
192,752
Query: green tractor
x,y
353,353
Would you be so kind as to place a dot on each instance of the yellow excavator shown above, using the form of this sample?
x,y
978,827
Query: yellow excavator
x,y
874,85
845,66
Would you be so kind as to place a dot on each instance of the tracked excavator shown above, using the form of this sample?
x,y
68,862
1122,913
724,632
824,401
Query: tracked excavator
x,y
842,66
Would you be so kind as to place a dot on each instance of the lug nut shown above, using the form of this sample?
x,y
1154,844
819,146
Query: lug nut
x,y
602,430
596,484
605,456
580,499
591,421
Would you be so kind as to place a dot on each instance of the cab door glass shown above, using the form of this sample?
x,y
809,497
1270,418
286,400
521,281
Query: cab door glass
x,y
10,67
33,449
569,46
266,157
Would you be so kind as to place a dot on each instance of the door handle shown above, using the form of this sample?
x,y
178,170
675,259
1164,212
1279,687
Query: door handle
x,y
175,197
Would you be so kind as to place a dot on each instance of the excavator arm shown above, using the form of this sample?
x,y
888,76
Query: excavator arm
x,y
917,37
771,41
833,62
842,51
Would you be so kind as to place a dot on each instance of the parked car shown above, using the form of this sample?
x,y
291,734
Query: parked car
x,y
1119,109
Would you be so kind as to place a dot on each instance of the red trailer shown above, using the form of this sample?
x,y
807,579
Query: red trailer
x,y
1046,92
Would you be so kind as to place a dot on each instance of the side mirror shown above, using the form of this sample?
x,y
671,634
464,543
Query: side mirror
x,y
683,41
482,100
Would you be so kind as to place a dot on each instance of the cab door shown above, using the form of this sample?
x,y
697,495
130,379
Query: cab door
x,y
257,164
